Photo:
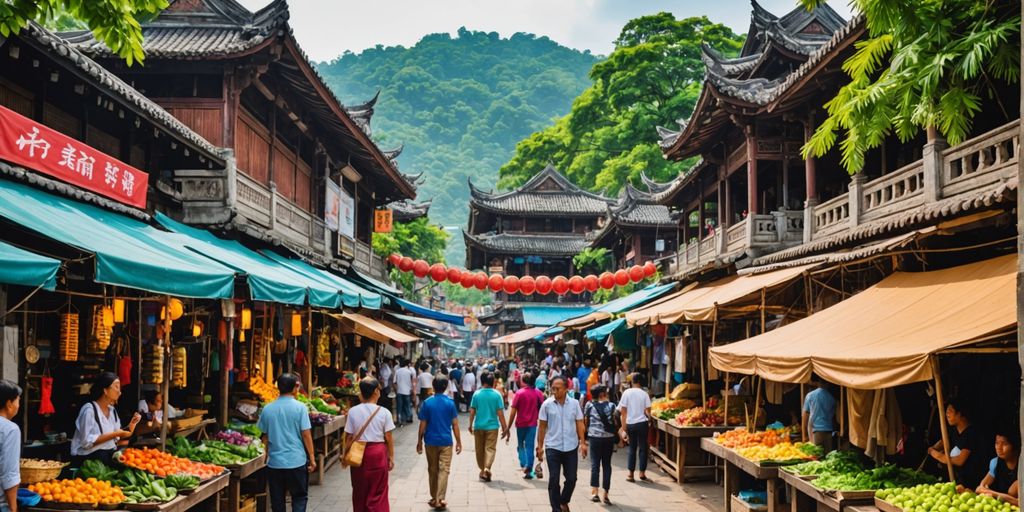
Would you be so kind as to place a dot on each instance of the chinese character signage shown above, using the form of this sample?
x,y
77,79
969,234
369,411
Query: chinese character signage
x,y
347,217
332,205
32,145
382,221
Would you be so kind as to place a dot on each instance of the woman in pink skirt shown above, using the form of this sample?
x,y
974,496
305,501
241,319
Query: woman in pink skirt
x,y
370,480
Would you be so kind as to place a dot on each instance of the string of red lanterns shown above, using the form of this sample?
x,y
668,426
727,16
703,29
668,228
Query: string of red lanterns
x,y
526,285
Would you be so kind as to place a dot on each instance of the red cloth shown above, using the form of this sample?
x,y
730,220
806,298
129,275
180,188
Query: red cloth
x,y
45,404
370,481
124,370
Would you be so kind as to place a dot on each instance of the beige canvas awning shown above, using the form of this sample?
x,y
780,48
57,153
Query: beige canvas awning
x,y
519,336
737,293
883,336
374,329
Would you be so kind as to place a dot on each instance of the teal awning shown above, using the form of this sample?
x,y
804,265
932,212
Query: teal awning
x,y
352,295
551,315
267,280
600,333
127,252
18,266
433,314
636,298
373,282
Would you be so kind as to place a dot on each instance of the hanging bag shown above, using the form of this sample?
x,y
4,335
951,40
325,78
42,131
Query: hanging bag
x,y
354,455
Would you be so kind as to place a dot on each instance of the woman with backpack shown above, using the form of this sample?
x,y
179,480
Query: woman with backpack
x,y
599,417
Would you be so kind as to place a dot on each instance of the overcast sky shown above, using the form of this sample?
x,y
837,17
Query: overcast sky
x,y
327,28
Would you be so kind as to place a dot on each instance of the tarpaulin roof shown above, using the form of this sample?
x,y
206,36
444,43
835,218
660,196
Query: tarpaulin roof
x,y
533,333
551,315
352,295
619,305
699,304
267,280
374,329
600,333
18,266
433,314
884,335
127,252
374,283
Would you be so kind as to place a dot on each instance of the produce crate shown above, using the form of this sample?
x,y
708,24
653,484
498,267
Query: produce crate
x,y
183,423
739,505
885,506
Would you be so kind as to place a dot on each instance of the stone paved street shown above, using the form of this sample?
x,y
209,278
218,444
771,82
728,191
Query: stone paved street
x,y
508,491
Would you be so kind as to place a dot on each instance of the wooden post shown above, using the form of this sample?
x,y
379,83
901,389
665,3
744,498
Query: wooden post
x,y
728,391
703,370
670,350
310,352
803,394
942,415
166,387
764,292
752,197
757,402
225,388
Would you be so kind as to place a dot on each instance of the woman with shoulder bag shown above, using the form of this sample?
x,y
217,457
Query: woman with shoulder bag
x,y
98,432
599,417
369,449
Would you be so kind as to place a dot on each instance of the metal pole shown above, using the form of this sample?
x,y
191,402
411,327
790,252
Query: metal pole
x,y
942,415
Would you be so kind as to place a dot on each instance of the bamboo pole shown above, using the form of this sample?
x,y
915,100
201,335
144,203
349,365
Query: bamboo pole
x,y
166,387
803,395
670,350
764,292
942,415
225,388
703,369
757,402
728,391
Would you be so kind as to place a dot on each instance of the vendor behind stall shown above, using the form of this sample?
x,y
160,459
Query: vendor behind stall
x,y
966,446
98,429
1001,480
819,413
151,408
10,445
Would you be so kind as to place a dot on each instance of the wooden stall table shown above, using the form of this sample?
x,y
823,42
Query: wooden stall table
x,y
327,444
805,496
204,492
734,464
682,448
240,472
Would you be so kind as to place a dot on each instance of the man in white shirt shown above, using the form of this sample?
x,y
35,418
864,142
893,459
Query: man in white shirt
x,y
404,378
635,407
468,386
560,434
386,381
425,382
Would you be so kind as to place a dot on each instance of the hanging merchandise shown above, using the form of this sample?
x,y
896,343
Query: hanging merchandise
x,y
243,359
215,360
124,361
153,363
69,336
45,400
323,349
179,361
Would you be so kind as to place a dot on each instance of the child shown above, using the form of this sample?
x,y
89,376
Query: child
x,y
1001,480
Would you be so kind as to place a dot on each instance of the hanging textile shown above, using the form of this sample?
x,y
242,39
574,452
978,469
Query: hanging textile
x,y
875,421
679,363
46,401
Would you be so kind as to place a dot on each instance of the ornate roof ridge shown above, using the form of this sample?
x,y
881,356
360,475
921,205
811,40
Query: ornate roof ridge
x,y
734,66
530,186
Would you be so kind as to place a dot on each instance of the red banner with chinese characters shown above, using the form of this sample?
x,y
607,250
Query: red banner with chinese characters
x,y
34,146
382,221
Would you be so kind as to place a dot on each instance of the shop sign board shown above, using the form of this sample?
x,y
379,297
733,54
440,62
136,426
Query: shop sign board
x,y
347,216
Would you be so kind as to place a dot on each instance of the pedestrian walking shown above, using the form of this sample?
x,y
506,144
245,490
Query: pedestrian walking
x,y
424,384
468,387
387,380
287,436
598,416
10,445
439,419
486,414
635,408
366,425
404,380
560,434
525,409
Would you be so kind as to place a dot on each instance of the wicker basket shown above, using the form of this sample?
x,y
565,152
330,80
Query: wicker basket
x,y
33,475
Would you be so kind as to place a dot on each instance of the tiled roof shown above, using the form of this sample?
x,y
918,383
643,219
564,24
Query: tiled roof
x,y
637,208
547,193
404,211
532,245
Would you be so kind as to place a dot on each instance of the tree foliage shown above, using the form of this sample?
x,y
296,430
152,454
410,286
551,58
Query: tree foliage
x,y
608,138
594,259
460,104
115,22
923,65
466,296
417,239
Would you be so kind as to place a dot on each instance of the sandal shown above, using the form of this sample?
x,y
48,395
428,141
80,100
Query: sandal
x,y
606,500
441,505
630,479
595,498
644,478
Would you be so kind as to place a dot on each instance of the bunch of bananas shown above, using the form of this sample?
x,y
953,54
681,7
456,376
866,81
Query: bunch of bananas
x,y
179,362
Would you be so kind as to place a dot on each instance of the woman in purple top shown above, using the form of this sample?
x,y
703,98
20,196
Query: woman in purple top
x,y
525,408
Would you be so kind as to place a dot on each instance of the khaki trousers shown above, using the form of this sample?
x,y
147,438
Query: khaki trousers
x,y
439,464
486,442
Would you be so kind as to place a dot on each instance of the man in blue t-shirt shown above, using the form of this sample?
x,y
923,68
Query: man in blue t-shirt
x,y
286,434
486,414
819,415
439,418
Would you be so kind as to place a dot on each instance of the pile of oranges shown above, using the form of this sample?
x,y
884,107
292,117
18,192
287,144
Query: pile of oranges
x,y
162,464
90,491
742,438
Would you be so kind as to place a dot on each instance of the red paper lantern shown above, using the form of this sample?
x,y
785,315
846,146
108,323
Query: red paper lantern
x,y
543,285
394,259
405,264
454,275
527,285
621,277
467,280
560,285
496,282
636,273
591,283
576,284
607,280
438,272
420,268
511,284
650,269
480,280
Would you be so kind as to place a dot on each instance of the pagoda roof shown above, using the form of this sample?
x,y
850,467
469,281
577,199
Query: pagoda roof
x,y
638,208
210,30
546,193
750,81
532,245
404,211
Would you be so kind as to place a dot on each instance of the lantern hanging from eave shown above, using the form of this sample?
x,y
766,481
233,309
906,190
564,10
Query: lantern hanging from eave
x,y
394,259
576,284
560,285
607,280
527,285
591,283
420,268
621,277
296,323
467,279
454,275
636,273
496,282
438,272
650,269
480,280
118,311
511,284
543,285
405,264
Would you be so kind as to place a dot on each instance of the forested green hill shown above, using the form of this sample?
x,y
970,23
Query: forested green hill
x,y
460,104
